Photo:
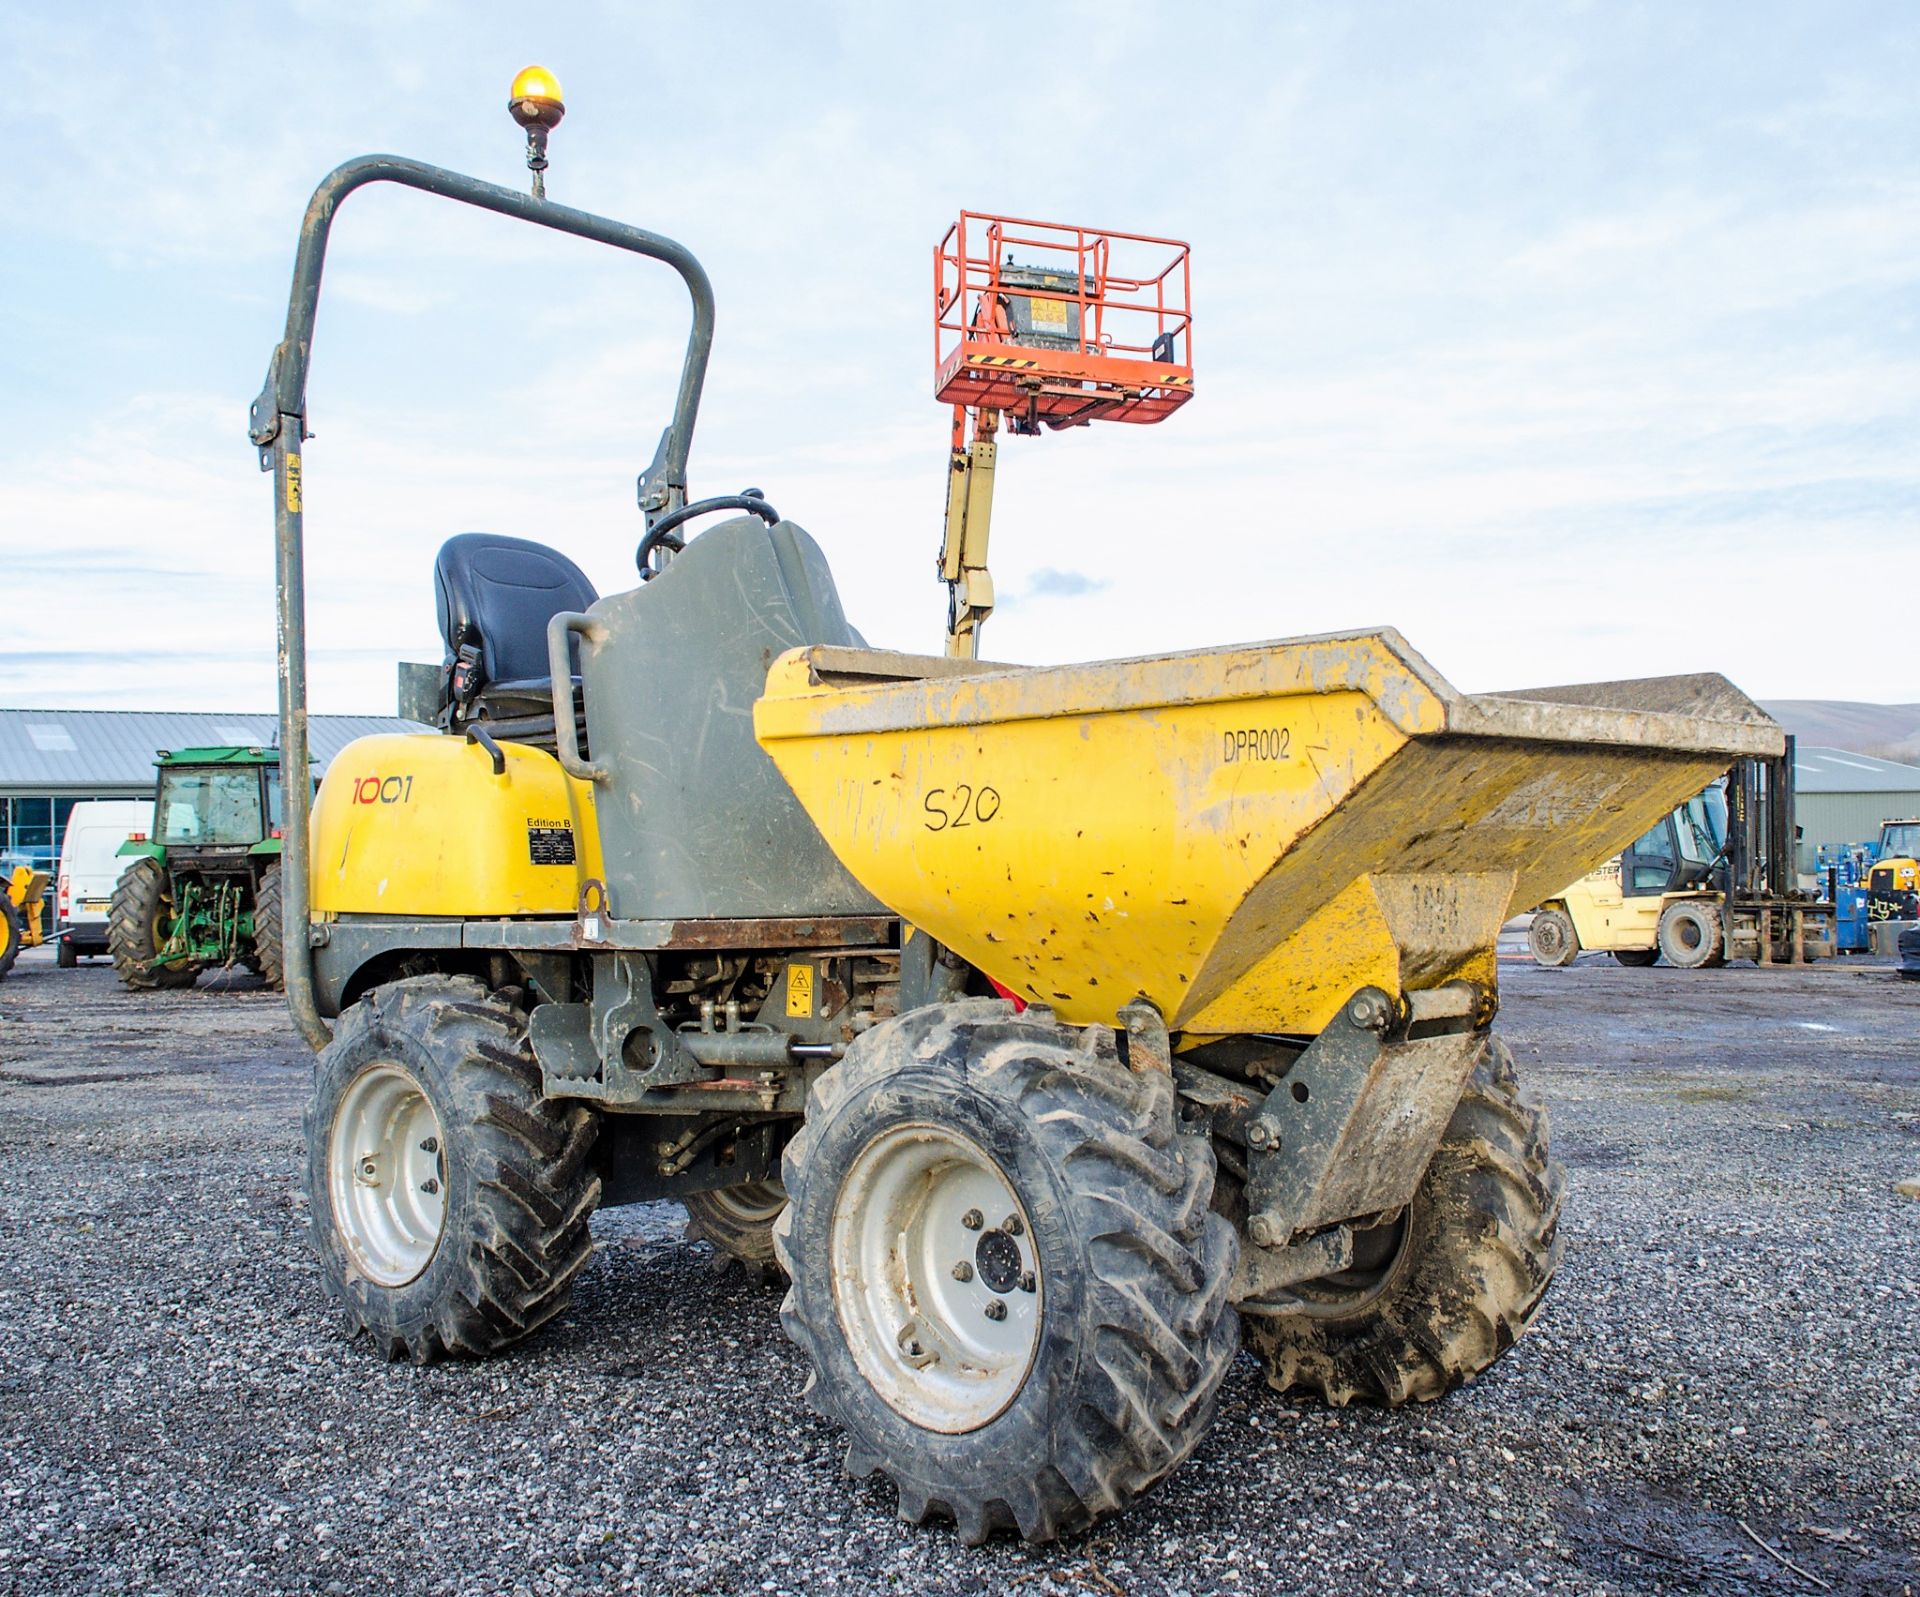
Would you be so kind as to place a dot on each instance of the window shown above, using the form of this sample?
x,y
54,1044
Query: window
x,y
215,806
1651,860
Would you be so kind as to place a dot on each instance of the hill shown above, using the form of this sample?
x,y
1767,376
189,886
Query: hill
x,y
1891,731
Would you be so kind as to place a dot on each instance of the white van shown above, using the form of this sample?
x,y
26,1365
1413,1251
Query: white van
x,y
90,865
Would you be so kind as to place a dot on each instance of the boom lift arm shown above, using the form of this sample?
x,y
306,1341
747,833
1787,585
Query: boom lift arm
x,y
1062,339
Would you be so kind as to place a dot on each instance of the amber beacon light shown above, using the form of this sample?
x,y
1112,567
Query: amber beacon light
x,y
535,102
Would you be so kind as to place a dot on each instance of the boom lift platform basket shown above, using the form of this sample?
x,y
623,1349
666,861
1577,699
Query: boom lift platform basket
x,y
1061,325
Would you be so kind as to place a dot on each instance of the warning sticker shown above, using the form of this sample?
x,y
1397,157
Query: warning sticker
x,y
1049,313
550,845
800,992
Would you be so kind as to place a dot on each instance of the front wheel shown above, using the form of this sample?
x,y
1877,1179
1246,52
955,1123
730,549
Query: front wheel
x,y
1438,1294
1690,935
1006,1273
448,1199
138,923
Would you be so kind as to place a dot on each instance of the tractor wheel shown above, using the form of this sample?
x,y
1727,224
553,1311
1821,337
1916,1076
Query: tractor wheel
x,y
268,933
1690,935
11,933
738,1221
448,1199
1437,1295
1551,938
1006,1273
137,925
1637,958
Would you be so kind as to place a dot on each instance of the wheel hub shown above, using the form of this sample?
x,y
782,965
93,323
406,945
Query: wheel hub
x,y
941,1309
386,1174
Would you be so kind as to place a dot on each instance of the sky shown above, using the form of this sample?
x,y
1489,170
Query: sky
x,y
1577,342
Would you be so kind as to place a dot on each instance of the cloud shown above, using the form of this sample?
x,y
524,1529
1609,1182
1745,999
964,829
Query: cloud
x,y
1632,343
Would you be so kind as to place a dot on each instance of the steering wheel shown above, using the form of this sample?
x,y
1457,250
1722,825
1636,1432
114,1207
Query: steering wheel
x,y
661,535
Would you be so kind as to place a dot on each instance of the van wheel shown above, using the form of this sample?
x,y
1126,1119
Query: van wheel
x,y
1637,958
64,955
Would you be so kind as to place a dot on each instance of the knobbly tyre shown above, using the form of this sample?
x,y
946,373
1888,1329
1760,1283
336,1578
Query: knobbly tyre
x,y
1079,1031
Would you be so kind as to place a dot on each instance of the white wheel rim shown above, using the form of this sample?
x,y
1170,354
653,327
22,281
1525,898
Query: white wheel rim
x,y
387,1173
750,1203
935,1278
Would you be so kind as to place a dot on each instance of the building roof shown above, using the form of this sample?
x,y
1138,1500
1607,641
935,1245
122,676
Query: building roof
x,y
79,751
1818,770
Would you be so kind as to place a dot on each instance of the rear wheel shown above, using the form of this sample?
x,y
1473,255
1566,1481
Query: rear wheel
x,y
138,922
10,932
1006,1273
1637,958
738,1221
1551,938
267,929
448,1199
1690,935
65,955
1438,1294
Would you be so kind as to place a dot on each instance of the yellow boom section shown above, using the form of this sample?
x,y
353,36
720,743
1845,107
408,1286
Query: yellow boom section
x,y
1243,835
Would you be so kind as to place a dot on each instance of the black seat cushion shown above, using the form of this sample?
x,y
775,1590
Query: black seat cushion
x,y
496,597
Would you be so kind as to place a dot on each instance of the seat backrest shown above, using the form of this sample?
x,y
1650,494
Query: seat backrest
x,y
694,819
498,594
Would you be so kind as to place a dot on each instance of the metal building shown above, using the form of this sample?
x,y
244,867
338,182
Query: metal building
x,y
52,759
1842,797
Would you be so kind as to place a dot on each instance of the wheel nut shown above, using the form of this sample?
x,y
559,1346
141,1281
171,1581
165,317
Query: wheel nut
x,y
369,1171
1027,1282
1012,1226
996,1310
1261,1229
972,1220
430,1186
431,1145
963,1271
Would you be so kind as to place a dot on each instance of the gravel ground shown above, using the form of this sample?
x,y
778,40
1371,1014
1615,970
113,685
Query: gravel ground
x,y
1730,1358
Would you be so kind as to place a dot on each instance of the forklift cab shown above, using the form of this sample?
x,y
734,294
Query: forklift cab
x,y
1682,851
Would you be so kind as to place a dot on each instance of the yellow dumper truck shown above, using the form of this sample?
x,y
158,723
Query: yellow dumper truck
x,y
1051,1028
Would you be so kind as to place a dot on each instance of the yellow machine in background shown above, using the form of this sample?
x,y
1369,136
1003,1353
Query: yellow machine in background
x,y
23,904
1712,881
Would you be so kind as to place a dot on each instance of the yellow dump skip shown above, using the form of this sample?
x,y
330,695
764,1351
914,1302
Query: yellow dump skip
x,y
1245,835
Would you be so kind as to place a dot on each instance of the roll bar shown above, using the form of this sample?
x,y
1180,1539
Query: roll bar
x,y
277,426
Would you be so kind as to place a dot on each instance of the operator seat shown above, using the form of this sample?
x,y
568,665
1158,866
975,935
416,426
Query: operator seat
x,y
496,596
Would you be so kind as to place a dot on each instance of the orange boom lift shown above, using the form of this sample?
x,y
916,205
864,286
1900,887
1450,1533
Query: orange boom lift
x,y
1051,326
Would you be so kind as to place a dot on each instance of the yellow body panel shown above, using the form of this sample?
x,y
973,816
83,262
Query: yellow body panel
x,y
1245,836
418,825
1605,920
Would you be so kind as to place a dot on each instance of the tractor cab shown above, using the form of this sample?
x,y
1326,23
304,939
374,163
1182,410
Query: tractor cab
x,y
214,805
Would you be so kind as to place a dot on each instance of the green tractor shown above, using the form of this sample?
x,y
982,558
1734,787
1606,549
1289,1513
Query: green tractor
x,y
202,888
